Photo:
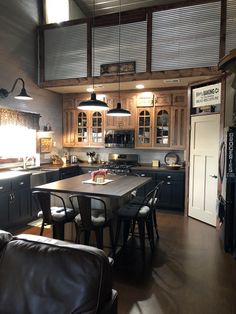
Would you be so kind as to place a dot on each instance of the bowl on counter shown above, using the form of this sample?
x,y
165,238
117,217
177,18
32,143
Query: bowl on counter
x,y
173,166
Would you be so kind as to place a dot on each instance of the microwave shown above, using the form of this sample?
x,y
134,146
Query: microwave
x,y
119,138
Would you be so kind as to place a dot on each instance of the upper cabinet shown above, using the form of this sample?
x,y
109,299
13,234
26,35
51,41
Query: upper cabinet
x,y
144,127
164,124
128,101
162,127
158,121
81,128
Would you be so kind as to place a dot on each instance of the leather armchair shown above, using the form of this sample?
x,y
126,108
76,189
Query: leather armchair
x,y
42,275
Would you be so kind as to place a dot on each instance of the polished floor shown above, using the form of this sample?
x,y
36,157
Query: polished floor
x,y
189,273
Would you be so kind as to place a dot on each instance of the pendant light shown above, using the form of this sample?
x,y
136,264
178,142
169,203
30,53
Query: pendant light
x,y
93,103
118,111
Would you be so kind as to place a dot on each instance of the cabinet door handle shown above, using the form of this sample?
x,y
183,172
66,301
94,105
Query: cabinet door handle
x,y
22,183
168,182
169,177
1,187
213,176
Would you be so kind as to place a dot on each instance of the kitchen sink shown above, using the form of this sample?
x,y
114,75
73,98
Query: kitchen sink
x,y
39,175
38,178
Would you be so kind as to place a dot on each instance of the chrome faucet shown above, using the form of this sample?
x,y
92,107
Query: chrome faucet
x,y
28,161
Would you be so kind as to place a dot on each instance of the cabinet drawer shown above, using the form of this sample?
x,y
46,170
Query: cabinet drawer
x,y
68,172
21,182
170,176
5,185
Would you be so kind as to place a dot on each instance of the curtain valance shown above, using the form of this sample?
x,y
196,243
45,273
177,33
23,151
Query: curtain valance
x,y
20,118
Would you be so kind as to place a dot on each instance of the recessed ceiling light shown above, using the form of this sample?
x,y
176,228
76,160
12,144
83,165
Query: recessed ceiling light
x,y
90,89
140,86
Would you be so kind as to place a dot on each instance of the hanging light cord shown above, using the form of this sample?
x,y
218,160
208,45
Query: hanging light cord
x,y
119,37
93,44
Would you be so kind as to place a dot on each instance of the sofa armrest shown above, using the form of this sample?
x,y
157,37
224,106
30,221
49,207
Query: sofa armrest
x,y
5,237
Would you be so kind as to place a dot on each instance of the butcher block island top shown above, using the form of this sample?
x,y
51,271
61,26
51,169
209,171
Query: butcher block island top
x,y
120,186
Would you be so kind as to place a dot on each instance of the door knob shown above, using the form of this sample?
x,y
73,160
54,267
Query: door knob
x,y
214,176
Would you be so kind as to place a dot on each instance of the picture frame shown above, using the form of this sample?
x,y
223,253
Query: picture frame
x,y
45,145
115,68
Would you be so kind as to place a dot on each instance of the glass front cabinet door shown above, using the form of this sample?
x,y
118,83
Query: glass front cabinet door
x,y
96,134
162,127
144,130
82,138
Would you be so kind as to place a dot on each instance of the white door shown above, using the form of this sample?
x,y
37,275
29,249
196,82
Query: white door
x,y
204,150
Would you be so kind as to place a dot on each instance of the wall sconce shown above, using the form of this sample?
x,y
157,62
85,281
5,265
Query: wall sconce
x,y
23,94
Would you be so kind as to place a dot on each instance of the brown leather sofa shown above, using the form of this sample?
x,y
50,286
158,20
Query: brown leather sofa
x,y
41,275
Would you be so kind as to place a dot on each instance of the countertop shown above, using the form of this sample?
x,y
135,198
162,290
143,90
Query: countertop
x,y
7,173
97,165
140,168
13,174
120,186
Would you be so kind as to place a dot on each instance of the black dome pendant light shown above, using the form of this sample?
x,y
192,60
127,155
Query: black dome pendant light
x,y
93,103
118,111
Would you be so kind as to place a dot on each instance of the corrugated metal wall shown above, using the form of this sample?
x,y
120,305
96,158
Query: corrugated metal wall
x,y
133,39
187,37
66,52
230,26
182,38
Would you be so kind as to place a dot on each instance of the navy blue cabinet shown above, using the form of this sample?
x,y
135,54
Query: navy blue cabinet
x,y
69,172
172,192
15,201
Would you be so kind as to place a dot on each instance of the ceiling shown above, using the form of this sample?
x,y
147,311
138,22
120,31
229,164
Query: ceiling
x,y
124,86
103,7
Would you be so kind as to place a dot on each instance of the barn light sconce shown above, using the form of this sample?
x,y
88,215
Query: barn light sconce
x,y
23,94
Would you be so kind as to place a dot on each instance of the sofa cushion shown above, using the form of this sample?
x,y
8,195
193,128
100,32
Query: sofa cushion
x,y
42,275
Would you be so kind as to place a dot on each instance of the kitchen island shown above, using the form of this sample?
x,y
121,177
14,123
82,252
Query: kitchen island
x,y
115,193
119,187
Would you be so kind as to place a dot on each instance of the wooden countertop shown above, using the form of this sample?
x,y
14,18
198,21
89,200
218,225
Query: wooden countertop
x,y
119,187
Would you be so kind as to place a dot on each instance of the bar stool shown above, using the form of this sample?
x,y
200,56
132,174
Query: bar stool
x,y
140,211
53,215
140,199
91,219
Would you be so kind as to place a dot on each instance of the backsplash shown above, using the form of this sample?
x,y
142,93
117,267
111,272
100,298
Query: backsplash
x,y
145,157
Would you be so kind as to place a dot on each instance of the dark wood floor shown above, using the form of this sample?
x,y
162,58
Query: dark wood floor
x,y
189,272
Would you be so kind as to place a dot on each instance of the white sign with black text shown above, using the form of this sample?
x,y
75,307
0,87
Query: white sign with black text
x,y
209,95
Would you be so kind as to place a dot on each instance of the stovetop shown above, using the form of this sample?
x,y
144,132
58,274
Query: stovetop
x,y
121,163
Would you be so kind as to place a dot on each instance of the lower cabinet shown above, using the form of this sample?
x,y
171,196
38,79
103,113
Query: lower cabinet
x,y
149,186
84,170
69,172
15,201
172,191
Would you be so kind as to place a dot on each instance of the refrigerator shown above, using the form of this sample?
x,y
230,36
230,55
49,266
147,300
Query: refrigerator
x,y
227,174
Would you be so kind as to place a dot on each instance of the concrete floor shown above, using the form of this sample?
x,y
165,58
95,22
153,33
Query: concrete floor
x,y
189,273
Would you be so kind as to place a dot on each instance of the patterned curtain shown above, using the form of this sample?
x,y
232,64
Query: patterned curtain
x,y
14,117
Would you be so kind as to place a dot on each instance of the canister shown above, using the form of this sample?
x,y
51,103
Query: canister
x,y
156,163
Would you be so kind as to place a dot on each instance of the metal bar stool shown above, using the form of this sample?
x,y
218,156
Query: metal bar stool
x,y
53,215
